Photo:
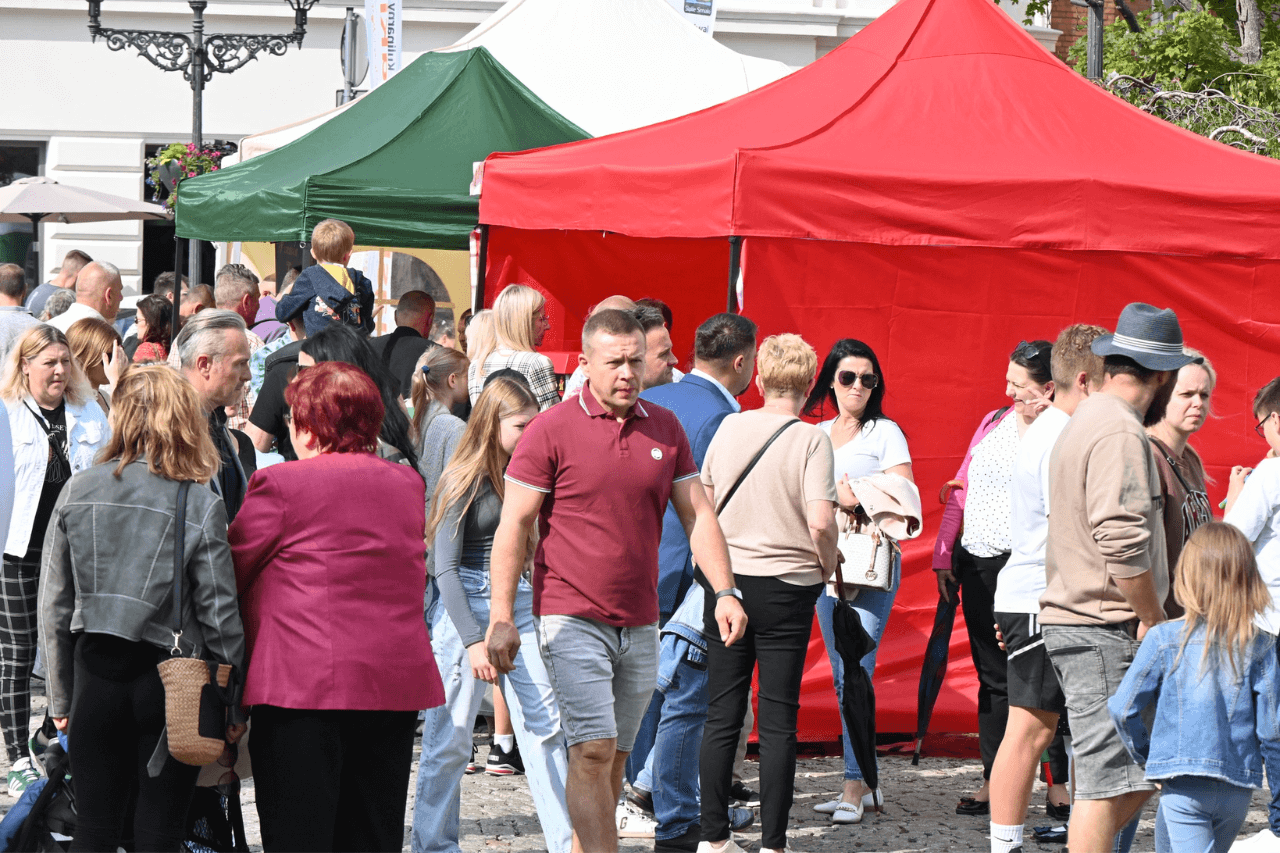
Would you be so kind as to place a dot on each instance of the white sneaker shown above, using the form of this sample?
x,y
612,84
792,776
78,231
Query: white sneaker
x,y
730,847
1265,841
846,813
633,823
22,775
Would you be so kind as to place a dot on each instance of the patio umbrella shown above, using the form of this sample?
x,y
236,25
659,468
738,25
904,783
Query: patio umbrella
x,y
858,699
934,668
38,199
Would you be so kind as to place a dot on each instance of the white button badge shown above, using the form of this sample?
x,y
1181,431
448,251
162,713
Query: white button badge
x,y
656,453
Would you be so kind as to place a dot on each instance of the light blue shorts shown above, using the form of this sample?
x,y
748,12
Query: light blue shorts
x,y
603,676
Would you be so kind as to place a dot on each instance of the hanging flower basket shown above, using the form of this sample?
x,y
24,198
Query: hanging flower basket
x,y
178,162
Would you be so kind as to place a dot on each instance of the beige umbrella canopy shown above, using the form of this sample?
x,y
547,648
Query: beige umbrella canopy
x,y
38,199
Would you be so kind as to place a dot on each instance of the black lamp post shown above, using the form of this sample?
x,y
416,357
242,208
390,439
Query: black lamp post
x,y
198,57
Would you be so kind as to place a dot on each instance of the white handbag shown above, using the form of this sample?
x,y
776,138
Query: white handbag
x,y
867,555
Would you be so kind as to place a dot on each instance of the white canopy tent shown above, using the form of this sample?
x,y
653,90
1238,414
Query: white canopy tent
x,y
617,65
605,66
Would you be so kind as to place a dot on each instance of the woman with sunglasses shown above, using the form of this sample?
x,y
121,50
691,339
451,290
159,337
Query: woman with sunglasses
x,y
976,537
865,442
57,429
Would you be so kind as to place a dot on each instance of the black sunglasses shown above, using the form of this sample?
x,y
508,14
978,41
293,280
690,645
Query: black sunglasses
x,y
848,379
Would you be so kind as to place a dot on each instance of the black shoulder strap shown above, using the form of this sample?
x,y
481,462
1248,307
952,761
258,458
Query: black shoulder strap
x,y
1173,465
734,488
179,558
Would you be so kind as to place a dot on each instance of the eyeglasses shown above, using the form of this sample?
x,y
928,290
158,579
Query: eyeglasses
x,y
1262,423
848,379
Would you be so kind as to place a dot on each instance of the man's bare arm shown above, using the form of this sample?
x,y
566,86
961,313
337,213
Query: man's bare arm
x,y
711,553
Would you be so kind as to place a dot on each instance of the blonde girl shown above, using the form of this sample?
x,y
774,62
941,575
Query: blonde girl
x,y
464,516
1212,676
439,390
519,326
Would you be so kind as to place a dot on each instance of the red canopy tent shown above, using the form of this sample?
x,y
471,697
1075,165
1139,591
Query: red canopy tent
x,y
940,187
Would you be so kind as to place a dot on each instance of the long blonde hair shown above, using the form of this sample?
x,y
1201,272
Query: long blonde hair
x,y
14,385
431,380
1218,584
514,323
481,338
480,455
156,414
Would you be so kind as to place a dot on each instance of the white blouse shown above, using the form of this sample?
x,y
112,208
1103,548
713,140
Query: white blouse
x,y
988,507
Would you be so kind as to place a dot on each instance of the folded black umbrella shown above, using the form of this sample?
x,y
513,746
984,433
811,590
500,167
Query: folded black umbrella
x,y
934,668
858,699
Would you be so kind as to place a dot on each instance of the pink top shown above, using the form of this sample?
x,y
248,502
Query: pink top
x,y
953,513
149,351
329,562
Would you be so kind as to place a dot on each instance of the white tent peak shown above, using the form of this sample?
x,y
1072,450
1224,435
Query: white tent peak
x,y
613,65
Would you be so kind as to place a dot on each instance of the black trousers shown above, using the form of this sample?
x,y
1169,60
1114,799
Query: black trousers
x,y
331,780
779,622
19,583
117,713
977,579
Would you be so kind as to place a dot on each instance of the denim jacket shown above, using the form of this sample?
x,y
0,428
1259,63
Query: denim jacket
x,y
1208,722
682,638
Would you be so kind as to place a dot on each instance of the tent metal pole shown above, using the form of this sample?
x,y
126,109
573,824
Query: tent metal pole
x,y
482,258
175,323
735,267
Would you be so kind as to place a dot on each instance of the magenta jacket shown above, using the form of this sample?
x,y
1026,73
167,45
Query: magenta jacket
x,y
953,512
329,563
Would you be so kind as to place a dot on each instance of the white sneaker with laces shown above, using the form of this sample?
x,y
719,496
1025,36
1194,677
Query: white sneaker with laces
x,y
21,775
633,823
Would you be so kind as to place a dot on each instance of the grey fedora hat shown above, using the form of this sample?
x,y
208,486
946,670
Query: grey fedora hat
x,y
1150,336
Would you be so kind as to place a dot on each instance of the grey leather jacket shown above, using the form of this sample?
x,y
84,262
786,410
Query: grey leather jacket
x,y
108,569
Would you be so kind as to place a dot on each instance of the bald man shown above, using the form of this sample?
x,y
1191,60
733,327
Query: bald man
x,y
98,294
622,303
400,350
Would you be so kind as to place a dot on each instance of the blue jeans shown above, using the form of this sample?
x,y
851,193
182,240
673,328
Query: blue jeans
x,y
873,609
446,730
681,705
1199,815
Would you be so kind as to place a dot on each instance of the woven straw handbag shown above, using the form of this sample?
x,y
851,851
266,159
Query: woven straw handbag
x,y
197,692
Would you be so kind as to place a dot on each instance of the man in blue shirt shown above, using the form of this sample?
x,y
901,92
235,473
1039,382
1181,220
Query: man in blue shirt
x,y
671,734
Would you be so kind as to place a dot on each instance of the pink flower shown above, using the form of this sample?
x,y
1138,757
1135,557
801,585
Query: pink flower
x,y
191,174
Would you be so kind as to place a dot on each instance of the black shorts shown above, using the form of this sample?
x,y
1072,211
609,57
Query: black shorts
x,y
1032,680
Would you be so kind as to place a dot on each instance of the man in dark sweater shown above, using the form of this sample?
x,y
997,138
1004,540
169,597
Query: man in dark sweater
x,y
401,349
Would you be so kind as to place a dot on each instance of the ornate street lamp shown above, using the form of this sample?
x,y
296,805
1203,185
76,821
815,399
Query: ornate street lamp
x,y
198,57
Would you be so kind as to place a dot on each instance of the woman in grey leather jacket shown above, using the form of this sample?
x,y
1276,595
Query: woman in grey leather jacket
x,y
105,603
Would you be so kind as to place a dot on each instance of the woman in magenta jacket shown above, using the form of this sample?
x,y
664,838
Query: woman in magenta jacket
x,y
329,563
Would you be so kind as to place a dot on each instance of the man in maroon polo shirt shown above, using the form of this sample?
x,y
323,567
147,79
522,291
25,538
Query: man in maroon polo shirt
x,y
596,473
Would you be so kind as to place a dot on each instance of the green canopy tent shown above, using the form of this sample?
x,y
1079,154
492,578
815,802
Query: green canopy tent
x,y
396,166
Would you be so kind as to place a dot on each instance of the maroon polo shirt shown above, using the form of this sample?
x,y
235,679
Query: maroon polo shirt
x,y
606,485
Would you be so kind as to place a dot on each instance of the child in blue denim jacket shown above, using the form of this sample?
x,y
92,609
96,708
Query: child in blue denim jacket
x,y
1213,678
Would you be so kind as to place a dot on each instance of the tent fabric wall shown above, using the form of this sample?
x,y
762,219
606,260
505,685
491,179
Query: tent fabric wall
x,y
575,270
943,322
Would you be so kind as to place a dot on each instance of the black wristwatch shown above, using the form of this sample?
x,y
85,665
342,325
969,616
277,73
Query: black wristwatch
x,y
725,593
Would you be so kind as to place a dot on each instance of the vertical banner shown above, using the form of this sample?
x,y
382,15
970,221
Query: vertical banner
x,y
383,30
700,13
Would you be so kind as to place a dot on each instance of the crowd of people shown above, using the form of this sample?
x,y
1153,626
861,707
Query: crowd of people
x,y
616,557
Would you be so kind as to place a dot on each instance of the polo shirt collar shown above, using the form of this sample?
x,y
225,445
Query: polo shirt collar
x,y
592,406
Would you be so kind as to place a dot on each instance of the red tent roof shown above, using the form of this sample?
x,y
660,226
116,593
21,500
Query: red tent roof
x,y
941,123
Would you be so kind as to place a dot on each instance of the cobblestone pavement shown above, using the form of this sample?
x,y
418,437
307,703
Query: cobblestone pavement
x,y
498,814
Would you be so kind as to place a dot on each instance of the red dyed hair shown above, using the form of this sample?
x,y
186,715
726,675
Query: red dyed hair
x,y
338,404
